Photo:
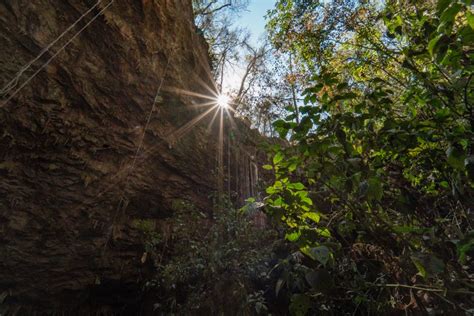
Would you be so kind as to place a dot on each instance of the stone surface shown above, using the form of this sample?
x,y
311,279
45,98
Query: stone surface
x,y
70,185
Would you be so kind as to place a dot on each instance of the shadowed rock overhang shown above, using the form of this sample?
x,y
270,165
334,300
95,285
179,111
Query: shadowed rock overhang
x,y
78,160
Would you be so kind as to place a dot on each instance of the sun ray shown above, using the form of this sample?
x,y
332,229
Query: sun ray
x,y
212,121
231,119
180,132
230,108
190,93
212,90
220,158
204,63
199,105
222,106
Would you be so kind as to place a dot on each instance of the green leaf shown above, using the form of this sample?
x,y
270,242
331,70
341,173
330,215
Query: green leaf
x,y
419,266
428,264
315,217
282,131
470,19
469,165
278,202
294,236
320,280
435,265
271,190
450,13
432,43
410,229
260,308
292,167
306,200
290,117
375,190
320,253
296,186
465,246
455,157
312,279
3,296
300,305
277,158
267,167
278,286
324,232
442,5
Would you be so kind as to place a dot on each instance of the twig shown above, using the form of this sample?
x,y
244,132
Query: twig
x,y
423,288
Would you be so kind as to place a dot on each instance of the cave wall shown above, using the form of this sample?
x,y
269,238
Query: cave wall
x,y
71,183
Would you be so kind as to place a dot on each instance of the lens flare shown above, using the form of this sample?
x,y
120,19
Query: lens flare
x,y
223,101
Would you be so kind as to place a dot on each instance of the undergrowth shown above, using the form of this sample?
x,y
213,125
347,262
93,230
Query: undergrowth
x,y
210,264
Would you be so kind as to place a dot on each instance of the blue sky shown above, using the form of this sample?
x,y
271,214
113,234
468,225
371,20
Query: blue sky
x,y
254,18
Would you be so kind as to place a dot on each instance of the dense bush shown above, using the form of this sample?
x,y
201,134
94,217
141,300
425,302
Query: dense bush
x,y
210,265
377,186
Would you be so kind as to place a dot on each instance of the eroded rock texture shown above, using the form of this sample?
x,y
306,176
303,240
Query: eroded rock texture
x,y
69,185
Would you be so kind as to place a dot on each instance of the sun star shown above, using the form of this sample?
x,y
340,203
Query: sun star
x,y
223,101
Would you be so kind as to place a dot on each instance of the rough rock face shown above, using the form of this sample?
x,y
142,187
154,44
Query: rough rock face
x,y
70,182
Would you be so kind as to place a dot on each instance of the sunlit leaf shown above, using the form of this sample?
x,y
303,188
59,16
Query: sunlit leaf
x,y
277,158
293,236
315,217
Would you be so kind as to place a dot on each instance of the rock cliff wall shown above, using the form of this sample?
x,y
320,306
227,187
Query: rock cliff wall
x,y
71,181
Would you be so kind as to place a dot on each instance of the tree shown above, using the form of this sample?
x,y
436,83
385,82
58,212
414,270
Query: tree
x,y
209,12
268,89
214,19
380,172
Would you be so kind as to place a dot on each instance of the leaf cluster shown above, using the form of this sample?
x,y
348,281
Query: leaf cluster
x,y
377,186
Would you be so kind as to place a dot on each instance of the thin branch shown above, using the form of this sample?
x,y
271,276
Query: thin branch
x,y
216,9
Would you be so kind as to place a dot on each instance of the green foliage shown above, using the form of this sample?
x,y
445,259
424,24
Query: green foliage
x,y
152,237
376,187
209,264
